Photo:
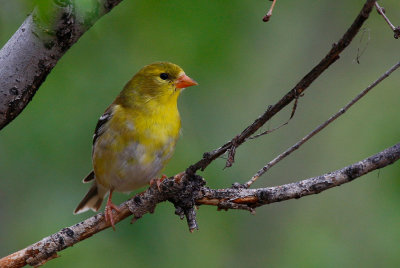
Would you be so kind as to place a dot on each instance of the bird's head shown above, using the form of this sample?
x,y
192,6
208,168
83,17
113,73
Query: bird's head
x,y
160,82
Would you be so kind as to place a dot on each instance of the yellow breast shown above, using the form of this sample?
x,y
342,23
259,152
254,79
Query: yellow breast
x,y
135,146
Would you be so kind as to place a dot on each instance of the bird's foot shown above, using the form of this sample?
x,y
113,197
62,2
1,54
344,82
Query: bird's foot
x,y
158,181
108,212
178,177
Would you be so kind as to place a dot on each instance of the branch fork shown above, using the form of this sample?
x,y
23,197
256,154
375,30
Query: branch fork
x,y
180,190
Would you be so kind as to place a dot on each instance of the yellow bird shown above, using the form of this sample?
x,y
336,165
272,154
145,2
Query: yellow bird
x,y
136,135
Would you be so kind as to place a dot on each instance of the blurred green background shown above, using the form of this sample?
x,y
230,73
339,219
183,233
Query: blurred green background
x,y
242,66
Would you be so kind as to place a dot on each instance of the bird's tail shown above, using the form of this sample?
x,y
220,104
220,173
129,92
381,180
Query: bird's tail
x,y
92,199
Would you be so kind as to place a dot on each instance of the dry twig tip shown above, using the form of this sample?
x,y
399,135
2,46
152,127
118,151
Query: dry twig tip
x,y
269,14
381,11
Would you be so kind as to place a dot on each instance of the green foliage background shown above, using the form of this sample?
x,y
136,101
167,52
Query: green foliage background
x,y
242,66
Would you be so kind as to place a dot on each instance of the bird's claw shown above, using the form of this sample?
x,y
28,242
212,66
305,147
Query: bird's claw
x,y
178,177
108,213
158,181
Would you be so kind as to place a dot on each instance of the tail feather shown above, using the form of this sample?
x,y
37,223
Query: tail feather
x,y
89,177
92,199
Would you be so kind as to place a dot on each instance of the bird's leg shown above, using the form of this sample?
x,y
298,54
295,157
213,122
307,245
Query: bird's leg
x,y
158,181
108,211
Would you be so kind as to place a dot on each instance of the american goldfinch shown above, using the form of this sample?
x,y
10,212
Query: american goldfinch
x,y
136,135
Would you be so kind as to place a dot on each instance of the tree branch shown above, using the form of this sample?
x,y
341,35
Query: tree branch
x,y
298,144
230,198
35,48
185,190
382,12
293,94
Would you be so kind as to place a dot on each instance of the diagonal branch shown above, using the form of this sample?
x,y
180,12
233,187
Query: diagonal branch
x,y
183,187
304,83
298,144
36,47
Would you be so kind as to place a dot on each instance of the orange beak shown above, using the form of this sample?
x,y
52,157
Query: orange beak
x,y
184,81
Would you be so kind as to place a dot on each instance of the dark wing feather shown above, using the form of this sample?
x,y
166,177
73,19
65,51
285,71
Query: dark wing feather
x,y
100,125
89,177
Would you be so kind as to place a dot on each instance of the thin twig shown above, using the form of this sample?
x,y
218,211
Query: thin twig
x,y
269,14
230,198
304,83
320,127
381,11
268,131
360,52
278,127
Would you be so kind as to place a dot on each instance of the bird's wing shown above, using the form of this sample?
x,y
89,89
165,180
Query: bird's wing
x,y
97,133
100,125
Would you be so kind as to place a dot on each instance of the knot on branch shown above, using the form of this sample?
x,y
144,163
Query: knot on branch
x,y
181,190
184,198
238,185
397,32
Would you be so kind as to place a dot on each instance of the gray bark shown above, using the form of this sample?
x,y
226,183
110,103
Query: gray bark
x,y
32,52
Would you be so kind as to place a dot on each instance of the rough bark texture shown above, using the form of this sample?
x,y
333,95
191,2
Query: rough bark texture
x,y
31,53
184,190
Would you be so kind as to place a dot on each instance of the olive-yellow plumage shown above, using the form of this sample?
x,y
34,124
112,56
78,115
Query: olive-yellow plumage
x,y
136,135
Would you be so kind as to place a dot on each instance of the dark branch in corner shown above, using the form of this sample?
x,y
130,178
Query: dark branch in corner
x,y
33,51
184,191
382,12
293,94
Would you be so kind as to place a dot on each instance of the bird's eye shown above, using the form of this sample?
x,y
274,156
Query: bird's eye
x,y
164,76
